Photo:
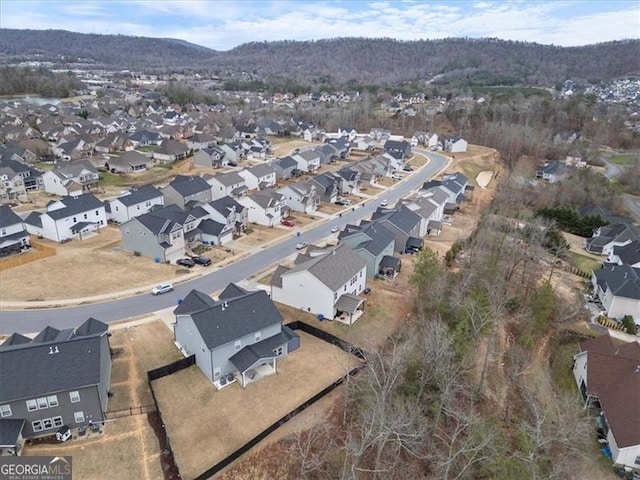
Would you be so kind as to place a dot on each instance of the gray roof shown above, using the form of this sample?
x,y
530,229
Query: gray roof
x,y
154,223
32,370
380,237
622,280
266,198
211,227
189,185
15,339
10,430
232,290
194,302
130,158
229,178
403,218
348,303
91,327
233,318
34,219
139,195
333,266
286,162
257,352
171,147
262,170
629,253
75,205
8,217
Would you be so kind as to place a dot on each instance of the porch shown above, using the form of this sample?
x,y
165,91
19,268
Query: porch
x,y
349,308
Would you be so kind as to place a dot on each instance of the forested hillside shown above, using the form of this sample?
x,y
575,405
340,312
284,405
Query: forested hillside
x,y
343,61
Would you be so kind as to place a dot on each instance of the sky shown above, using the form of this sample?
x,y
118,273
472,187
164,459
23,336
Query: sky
x,y
222,24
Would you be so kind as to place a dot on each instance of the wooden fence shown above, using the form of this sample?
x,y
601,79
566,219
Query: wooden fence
x,y
37,252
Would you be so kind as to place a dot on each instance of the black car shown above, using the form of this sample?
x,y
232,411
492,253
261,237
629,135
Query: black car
x,y
407,168
204,261
185,262
231,163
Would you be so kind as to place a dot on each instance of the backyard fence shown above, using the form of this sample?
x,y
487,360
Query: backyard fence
x,y
130,411
171,368
37,252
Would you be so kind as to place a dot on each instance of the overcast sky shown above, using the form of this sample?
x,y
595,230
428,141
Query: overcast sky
x,y
222,25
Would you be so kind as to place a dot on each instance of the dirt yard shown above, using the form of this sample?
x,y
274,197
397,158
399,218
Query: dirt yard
x,y
127,447
281,147
224,420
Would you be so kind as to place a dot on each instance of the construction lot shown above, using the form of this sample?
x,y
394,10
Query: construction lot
x,y
127,447
225,420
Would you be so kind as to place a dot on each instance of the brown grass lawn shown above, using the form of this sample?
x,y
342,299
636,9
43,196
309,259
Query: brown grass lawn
x,y
224,420
260,235
93,266
128,448
281,147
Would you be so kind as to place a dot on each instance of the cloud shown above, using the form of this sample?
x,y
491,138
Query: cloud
x,y
223,24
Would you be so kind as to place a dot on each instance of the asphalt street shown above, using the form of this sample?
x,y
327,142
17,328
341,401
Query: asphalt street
x,y
33,320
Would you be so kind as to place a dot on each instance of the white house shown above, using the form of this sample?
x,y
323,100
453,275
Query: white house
x,y
301,197
135,202
308,161
259,177
13,236
264,207
68,218
618,288
324,281
607,374
74,178
455,144
228,184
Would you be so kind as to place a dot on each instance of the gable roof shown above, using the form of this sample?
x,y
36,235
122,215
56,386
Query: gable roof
x,y
622,280
194,302
232,318
75,205
333,266
140,194
8,217
187,185
629,253
403,218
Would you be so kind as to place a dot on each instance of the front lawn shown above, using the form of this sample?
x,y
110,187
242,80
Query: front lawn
x,y
583,263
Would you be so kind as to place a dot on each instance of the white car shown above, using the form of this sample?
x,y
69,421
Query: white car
x,y
335,229
384,202
301,245
162,288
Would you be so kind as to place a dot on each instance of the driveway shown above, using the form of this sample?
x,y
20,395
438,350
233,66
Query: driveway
x,y
33,320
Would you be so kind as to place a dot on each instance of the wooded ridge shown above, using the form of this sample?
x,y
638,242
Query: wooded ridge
x,y
341,61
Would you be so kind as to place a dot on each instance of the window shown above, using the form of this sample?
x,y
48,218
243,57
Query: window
x,y
74,397
42,403
37,426
85,216
237,345
78,417
53,400
57,421
97,213
74,219
32,405
47,423
5,410
279,351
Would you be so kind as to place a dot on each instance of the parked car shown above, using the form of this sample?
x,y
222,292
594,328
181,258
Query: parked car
x,y
301,245
287,223
407,168
343,201
204,261
231,163
162,288
395,176
335,229
185,262
384,202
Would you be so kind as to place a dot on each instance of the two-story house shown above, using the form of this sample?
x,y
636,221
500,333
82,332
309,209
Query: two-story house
x,y
323,281
153,236
61,377
13,236
372,242
230,212
73,178
238,338
187,188
228,184
265,207
68,218
134,202
259,177
301,197
618,288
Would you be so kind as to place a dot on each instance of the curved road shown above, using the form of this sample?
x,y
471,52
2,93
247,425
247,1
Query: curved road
x,y
33,320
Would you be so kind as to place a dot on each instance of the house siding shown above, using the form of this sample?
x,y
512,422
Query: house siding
x,y
137,238
192,343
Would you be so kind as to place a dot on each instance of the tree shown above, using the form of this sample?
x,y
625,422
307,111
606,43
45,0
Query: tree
x,y
629,324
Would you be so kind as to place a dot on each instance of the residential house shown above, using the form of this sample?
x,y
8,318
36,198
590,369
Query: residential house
x,y
301,197
187,188
227,184
455,144
238,338
18,177
144,138
364,142
13,236
153,236
618,288
213,156
232,152
259,177
403,223
170,151
430,205
552,172
425,139
371,241
68,218
454,185
285,167
61,377
308,161
329,186
113,142
628,254
324,281
228,211
265,207
350,180
608,378
606,238
135,202
128,162
347,132
73,178
400,150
